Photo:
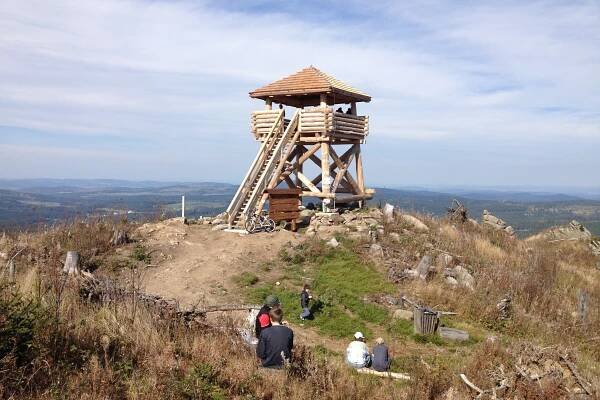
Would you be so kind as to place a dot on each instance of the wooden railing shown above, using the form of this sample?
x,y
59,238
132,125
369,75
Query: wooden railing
x,y
261,122
320,120
274,130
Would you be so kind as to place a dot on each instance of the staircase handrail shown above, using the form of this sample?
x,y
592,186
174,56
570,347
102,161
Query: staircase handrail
x,y
238,198
266,176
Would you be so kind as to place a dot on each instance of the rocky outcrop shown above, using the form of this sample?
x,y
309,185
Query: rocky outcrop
x,y
574,230
496,223
415,223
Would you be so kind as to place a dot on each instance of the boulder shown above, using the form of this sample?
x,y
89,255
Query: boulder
x,y
423,267
388,212
395,236
444,260
451,281
219,227
348,217
333,243
464,277
415,223
453,334
496,223
375,250
406,315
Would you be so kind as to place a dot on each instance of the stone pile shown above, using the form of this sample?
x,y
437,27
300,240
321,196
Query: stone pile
x,y
496,223
218,222
357,224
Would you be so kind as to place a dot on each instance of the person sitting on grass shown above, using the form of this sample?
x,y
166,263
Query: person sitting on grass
x,y
304,300
357,353
276,342
262,319
381,356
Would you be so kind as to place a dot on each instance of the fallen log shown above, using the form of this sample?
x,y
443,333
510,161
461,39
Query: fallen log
x,y
393,375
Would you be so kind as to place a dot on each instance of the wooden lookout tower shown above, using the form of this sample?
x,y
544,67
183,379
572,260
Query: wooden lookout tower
x,y
316,133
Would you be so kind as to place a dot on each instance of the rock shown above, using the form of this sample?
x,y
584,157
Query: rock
x,y
395,236
464,277
333,243
375,250
370,221
423,267
595,246
388,212
444,260
496,223
375,213
348,217
451,281
473,222
359,236
219,227
453,334
415,223
406,315
572,231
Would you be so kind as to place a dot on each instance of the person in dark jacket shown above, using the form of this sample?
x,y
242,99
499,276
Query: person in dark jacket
x,y
304,300
381,357
276,342
262,319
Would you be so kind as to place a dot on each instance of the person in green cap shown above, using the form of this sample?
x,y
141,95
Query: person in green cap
x,y
262,319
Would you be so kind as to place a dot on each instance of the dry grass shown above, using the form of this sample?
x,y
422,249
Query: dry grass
x,y
86,350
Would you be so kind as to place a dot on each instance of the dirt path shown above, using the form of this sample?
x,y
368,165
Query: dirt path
x,y
195,265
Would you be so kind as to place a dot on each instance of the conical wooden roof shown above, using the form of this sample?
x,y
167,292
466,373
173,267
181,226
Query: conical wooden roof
x,y
305,87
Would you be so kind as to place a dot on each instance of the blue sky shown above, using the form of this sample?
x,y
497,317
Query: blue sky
x,y
464,93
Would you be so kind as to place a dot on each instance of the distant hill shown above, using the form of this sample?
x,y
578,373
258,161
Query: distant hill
x,y
32,201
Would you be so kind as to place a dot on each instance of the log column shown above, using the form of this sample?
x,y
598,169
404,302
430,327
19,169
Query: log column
x,y
359,170
325,179
268,104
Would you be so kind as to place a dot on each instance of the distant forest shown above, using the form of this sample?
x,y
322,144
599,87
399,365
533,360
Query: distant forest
x,y
33,202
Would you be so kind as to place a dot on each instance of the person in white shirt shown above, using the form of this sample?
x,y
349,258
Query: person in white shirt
x,y
357,353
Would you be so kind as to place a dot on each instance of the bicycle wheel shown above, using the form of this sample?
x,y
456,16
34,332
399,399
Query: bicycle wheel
x,y
270,225
250,225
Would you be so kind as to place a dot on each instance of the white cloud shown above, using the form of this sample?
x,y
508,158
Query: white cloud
x,y
162,71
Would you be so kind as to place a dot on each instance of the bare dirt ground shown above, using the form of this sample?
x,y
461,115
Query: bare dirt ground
x,y
195,265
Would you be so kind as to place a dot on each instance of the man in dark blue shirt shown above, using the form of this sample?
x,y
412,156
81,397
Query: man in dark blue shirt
x,y
276,342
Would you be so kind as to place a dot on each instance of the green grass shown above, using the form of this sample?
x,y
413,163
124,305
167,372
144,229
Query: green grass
x,y
245,279
340,282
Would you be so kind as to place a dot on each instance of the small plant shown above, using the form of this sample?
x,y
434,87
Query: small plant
x,y
245,279
140,253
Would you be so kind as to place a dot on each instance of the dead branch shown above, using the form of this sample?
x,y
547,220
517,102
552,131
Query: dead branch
x,y
578,377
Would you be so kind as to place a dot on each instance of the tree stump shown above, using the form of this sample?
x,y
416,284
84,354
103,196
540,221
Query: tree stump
x,y
11,271
119,237
72,263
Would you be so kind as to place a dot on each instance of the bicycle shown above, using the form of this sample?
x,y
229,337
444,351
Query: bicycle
x,y
259,222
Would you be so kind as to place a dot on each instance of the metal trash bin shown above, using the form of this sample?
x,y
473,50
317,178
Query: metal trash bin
x,y
426,321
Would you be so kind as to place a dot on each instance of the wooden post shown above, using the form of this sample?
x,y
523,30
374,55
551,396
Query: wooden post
x,y
325,178
353,108
183,208
268,104
323,101
359,170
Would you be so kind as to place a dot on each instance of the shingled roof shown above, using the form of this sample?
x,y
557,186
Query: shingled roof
x,y
305,87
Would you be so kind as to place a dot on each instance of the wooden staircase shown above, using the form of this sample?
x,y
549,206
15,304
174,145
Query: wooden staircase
x,y
265,170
